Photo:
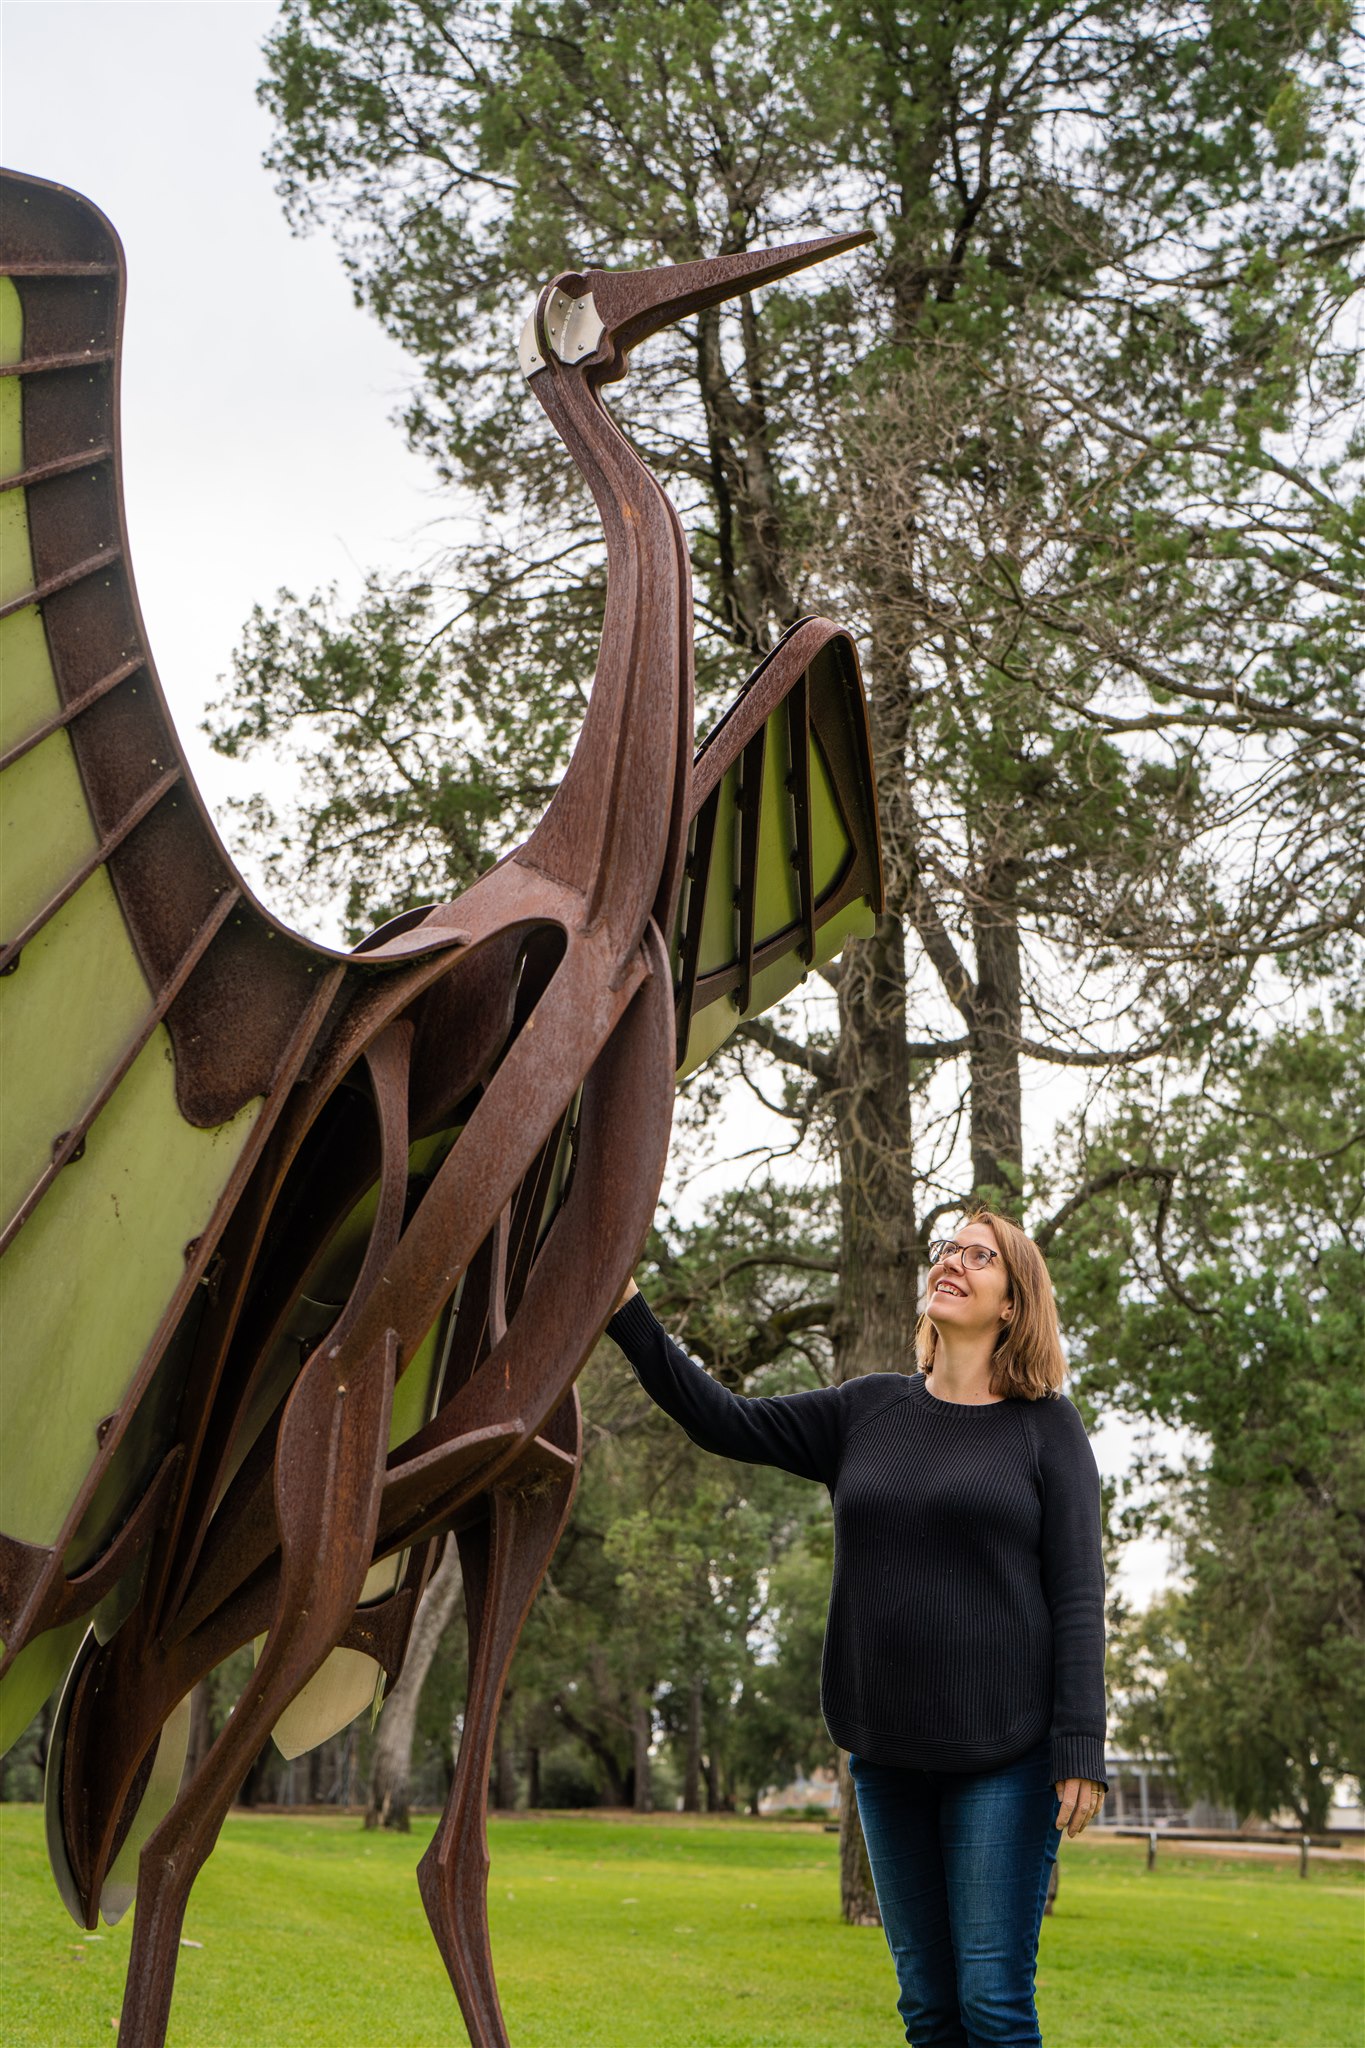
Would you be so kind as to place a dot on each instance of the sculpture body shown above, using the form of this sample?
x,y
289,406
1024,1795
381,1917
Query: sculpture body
x,y
301,1252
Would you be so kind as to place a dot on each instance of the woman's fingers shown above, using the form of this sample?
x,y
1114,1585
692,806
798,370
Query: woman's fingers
x,y
1080,1802
1068,1791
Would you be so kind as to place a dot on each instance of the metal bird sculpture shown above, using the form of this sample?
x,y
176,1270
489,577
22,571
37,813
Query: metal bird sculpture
x,y
301,1251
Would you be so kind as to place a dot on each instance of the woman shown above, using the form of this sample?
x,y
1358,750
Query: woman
x,y
964,1650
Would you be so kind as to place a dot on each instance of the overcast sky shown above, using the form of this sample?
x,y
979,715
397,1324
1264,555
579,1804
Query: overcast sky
x,y
259,448
258,444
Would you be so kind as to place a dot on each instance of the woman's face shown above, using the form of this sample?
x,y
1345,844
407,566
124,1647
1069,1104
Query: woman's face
x,y
971,1301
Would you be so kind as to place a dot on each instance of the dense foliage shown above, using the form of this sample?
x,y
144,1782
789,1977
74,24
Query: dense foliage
x,y
1231,1307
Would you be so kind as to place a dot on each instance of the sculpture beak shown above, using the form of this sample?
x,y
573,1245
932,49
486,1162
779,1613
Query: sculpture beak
x,y
605,313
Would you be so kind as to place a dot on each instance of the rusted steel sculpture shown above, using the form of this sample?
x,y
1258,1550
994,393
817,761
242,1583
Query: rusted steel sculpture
x,y
301,1252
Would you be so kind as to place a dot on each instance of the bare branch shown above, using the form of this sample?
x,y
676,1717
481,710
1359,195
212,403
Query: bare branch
x,y
1099,1184
819,1065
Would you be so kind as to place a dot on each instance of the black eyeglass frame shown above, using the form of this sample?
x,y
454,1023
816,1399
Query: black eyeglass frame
x,y
982,1254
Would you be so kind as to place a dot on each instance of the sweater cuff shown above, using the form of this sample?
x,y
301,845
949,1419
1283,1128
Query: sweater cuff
x,y
1078,1756
636,1319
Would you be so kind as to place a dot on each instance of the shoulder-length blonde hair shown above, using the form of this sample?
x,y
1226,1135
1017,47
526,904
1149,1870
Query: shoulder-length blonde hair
x,y
1028,1361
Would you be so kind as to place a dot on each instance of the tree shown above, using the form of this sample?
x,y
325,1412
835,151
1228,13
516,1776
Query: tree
x,y
777,1726
1221,1292
1045,449
391,1752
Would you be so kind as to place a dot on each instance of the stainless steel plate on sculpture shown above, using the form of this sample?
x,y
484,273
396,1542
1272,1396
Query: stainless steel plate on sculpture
x,y
302,1251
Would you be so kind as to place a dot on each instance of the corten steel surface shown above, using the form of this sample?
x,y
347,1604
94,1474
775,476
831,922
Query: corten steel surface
x,y
303,1251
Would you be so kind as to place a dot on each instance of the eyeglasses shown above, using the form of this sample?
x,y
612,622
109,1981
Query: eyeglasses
x,y
974,1255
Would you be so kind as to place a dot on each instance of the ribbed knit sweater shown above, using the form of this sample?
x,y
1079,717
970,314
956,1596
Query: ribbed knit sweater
x,y
966,1613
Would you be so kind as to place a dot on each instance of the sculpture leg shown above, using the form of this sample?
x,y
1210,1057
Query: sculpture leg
x,y
504,1559
327,1495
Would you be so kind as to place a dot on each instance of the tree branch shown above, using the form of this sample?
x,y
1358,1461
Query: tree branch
x,y
819,1065
1099,1184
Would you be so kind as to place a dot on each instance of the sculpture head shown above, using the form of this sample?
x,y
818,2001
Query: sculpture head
x,y
591,319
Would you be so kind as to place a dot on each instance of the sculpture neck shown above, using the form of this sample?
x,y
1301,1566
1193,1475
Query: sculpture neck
x,y
615,828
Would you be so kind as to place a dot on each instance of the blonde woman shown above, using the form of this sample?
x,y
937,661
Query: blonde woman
x,y
964,1650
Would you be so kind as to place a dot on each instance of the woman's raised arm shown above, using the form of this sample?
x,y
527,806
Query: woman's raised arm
x,y
801,1433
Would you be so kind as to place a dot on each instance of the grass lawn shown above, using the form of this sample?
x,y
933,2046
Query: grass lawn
x,y
671,1934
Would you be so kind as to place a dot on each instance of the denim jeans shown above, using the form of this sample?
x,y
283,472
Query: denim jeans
x,y
961,1862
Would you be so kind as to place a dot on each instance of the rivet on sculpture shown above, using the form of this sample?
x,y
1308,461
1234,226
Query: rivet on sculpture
x,y
302,1251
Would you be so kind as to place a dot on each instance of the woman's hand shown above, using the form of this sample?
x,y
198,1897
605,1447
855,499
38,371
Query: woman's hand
x,y
631,1288
1081,1801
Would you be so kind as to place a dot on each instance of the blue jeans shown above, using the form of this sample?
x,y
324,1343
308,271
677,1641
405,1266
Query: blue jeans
x,y
961,1862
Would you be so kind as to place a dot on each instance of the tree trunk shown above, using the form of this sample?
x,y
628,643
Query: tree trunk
x,y
44,1735
856,1894
997,1028
256,1786
692,1771
599,1750
875,1326
1314,1804
533,1776
502,1792
201,1729
391,1769
642,1731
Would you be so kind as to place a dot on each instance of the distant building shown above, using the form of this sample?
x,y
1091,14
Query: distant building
x,y
1144,1791
820,1789
1348,1808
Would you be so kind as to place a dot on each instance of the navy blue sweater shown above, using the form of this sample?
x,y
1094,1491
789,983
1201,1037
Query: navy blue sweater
x,y
966,1614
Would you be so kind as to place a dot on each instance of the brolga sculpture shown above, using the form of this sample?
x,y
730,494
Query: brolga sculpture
x,y
302,1251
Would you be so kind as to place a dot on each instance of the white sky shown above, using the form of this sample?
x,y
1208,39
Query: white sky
x,y
260,454
263,454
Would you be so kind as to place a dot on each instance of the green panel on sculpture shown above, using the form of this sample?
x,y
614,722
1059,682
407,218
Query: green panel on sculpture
x,y
713,1025
11,326
857,920
413,1393
719,929
114,1226
344,1686
144,1439
67,1013
709,1029
11,424
778,901
332,1274
28,688
830,847
16,556
158,1795
559,1172
11,388
33,1677
778,897
45,831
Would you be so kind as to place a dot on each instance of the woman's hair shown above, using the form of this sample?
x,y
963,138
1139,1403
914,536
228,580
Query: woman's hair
x,y
1028,1360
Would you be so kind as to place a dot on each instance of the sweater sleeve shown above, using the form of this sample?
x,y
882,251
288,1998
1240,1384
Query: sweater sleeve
x,y
798,1432
1073,1584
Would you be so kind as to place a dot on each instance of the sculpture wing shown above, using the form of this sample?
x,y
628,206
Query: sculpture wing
x,y
784,854
153,1015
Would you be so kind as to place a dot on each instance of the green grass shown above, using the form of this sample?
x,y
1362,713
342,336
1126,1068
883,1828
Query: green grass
x,y
712,1934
